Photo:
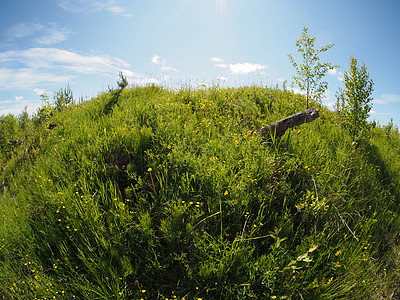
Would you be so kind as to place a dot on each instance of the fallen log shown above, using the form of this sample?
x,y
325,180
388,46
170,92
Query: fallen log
x,y
278,128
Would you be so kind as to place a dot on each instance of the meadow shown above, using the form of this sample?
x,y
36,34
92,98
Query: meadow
x,y
153,193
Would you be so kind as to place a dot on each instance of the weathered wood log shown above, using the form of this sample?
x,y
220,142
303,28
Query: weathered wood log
x,y
278,128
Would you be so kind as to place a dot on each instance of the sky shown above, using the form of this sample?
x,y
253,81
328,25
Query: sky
x,y
46,45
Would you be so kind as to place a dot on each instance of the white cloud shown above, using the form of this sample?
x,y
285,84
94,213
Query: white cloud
x,y
92,6
19,98
138,79
297,90
26,78
245,68
156,59
239,68
27,69
224,66
219,62
327,98
332,71
53,35
167,69
118,10
83,6
387,98
217,59
54,58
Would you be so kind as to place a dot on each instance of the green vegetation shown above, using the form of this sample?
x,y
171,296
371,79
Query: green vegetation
x,y
150,193
355,101
311,71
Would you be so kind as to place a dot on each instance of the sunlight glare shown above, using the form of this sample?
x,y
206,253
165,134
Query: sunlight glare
x,y
222,22
221,12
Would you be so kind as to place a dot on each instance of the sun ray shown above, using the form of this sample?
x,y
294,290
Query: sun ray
x,y
222,22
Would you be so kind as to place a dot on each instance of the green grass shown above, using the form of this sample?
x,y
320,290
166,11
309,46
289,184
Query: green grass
x,y
171,195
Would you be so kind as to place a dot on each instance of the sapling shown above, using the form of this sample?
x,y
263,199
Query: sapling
x,y
63,98
354,102
311,71
115,93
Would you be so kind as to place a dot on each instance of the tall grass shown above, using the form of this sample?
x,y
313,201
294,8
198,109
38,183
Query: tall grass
x,y
172,195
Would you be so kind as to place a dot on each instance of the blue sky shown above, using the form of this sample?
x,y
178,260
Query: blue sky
x,y
47,44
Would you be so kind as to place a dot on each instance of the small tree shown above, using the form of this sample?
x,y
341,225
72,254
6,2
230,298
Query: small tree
x,y
24,122
115,93
63,98
311,71
354,102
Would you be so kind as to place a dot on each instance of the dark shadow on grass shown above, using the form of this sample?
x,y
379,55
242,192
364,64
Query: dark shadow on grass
x,y
385,176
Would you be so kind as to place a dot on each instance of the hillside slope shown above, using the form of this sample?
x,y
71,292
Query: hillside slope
x,y
168,194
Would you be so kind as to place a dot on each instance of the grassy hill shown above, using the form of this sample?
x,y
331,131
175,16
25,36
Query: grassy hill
x,y
149,193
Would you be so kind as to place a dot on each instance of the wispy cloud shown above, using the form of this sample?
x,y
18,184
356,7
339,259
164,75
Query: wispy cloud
x,y
118,10
217,59
387,99
219,62
21,30
92,6
27,78
83,6
44,58
32,67
245,68
47,34
53,35
156,60
223,66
